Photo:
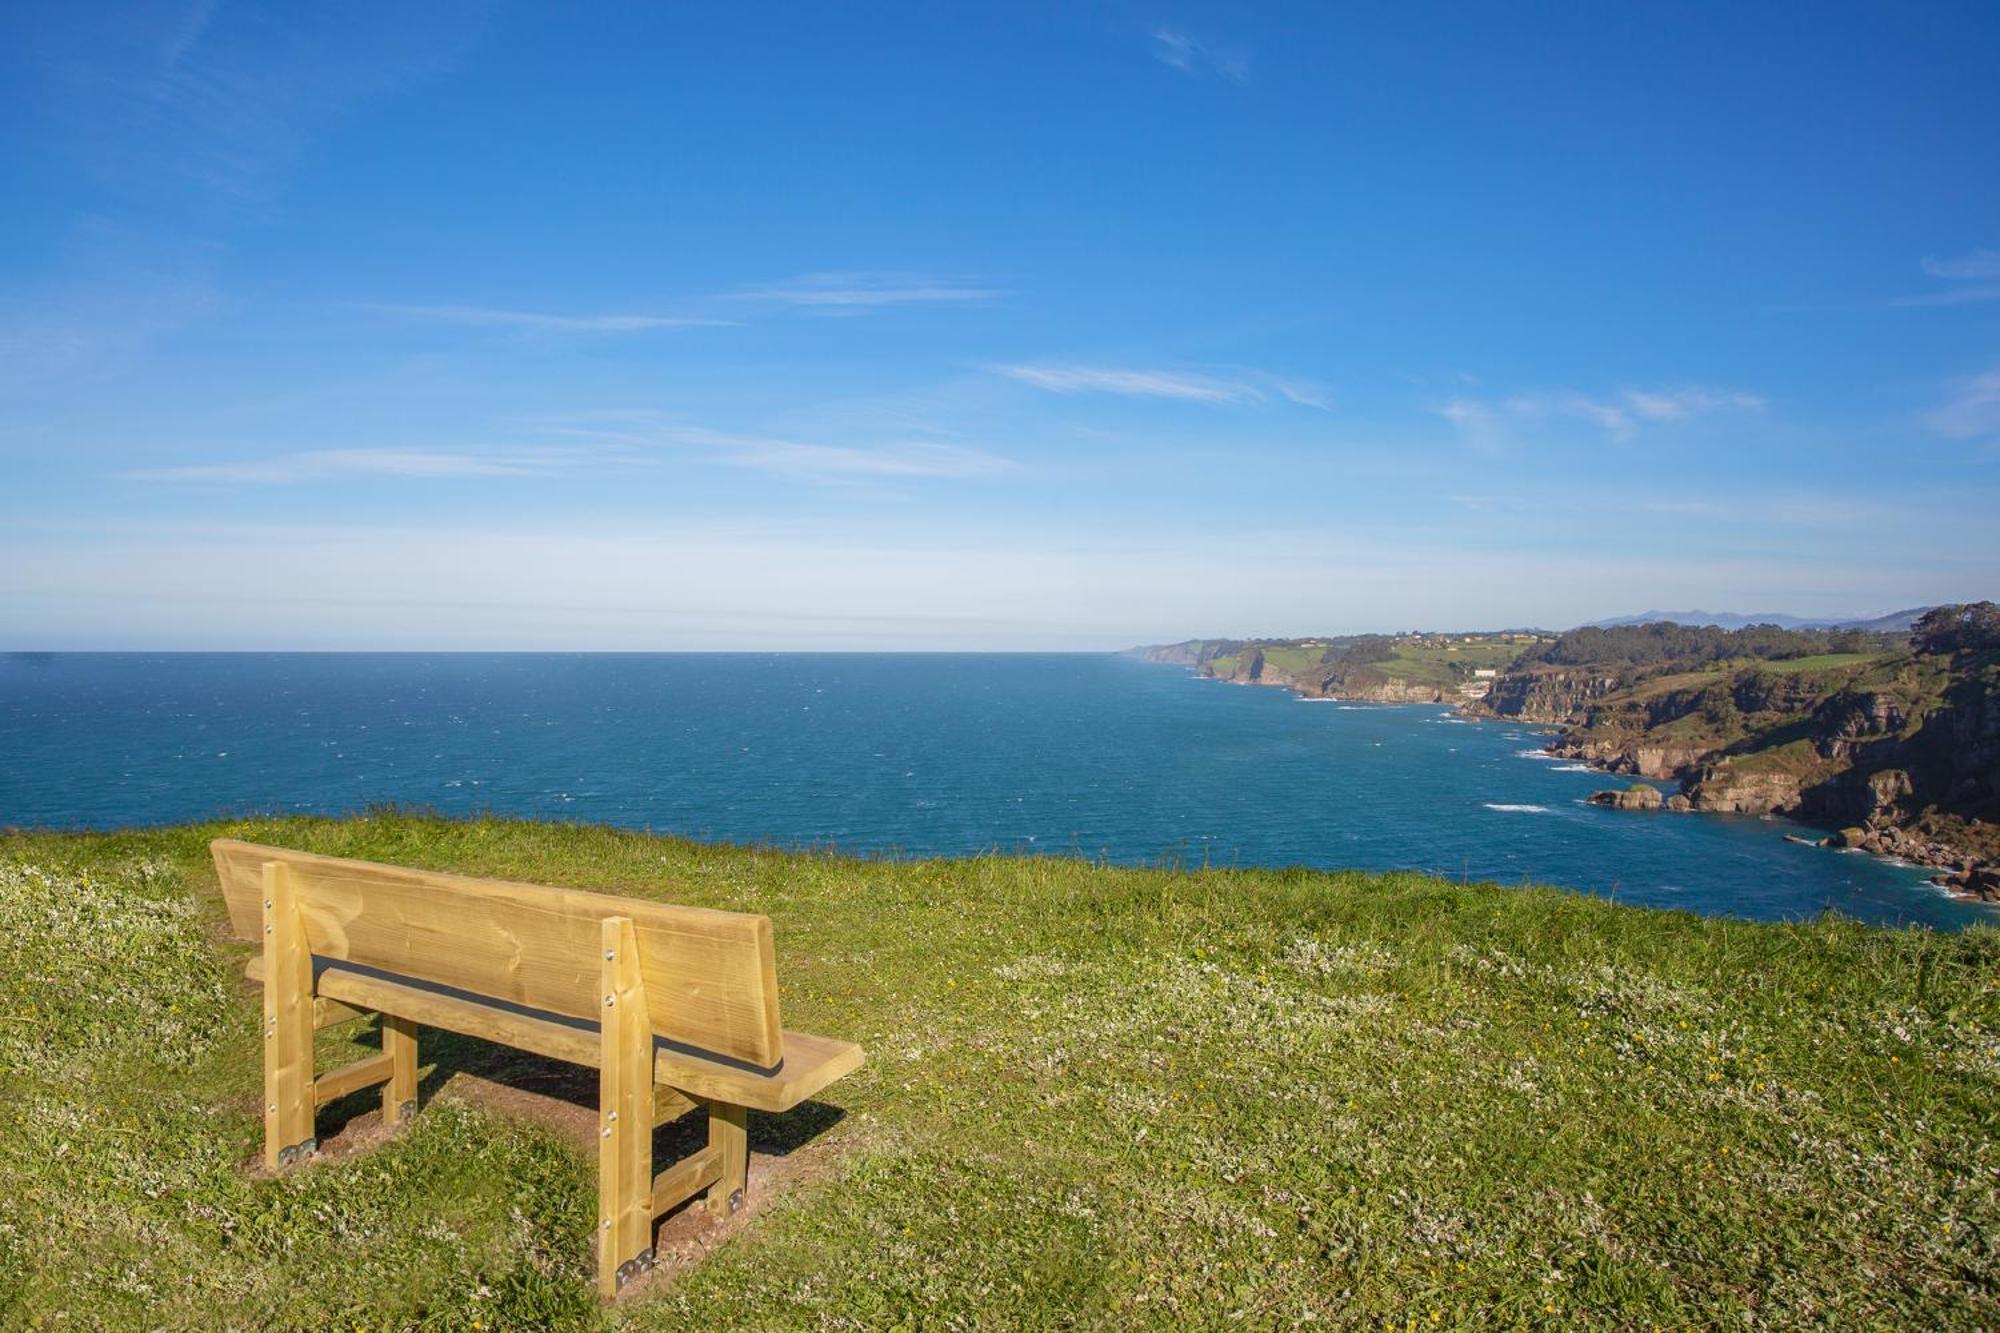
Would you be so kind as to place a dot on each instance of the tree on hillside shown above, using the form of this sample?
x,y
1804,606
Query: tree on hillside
x,y
1665,642
1966,628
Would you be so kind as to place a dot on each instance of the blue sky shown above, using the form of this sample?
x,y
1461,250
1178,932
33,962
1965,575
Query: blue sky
x,y
944,326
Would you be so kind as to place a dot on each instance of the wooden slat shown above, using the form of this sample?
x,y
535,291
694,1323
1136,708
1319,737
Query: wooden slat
x,y
288,1018
811,1062
710,977
399,1044
685,1179
337,1083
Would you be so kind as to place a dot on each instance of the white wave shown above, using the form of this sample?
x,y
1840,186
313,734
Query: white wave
x,y
1517,809
1537,754
1571,768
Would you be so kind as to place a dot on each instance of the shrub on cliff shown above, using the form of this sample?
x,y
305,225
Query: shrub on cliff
x,y
1970,627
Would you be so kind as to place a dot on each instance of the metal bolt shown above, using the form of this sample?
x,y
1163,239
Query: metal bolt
x,y
610,954
273,1108
604,1133
614,1115
609,1000
267,930
605,1225
267,904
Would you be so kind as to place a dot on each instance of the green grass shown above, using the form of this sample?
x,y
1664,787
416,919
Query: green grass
x,y
1448,666
1655,686
1293,661
1095,1097
1792,666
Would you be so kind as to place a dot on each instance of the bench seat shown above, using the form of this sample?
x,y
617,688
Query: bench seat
x,y
810,1064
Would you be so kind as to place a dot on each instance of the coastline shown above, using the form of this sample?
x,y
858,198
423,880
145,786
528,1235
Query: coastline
x,y
1889,845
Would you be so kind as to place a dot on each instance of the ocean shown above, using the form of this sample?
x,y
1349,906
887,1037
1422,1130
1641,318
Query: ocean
x,y
907,755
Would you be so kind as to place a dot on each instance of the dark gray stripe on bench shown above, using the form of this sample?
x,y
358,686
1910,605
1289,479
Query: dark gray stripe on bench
x,y
324,965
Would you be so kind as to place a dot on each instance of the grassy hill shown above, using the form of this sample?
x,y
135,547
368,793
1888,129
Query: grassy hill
x,y
1094,1097
1365,666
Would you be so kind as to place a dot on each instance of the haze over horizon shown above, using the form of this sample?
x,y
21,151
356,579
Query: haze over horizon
x,y
488,326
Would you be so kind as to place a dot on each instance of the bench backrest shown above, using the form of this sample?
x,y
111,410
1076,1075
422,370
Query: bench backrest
x,y
710,977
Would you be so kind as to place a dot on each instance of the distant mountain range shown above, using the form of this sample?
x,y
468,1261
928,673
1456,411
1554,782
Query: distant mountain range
x,y
1894,622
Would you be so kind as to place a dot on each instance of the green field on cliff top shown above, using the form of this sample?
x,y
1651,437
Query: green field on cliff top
x,y
1095,1097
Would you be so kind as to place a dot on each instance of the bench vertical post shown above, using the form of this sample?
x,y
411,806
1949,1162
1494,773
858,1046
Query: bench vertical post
x,y
399,1094
288,1024
625,1121
729,1139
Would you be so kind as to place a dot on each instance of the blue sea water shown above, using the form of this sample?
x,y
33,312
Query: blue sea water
x,y
907,754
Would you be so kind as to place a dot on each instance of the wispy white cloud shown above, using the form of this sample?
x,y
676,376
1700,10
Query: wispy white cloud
x,y
1973,409
1253,387
1305,395
208,107
1972,275
1131,383
1617,414
127,296
531,321
1178,50
345,464
794,460
185,118
1971,264
849,293
1677,404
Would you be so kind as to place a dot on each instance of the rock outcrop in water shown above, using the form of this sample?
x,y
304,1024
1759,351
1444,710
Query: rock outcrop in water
x,y
1638,796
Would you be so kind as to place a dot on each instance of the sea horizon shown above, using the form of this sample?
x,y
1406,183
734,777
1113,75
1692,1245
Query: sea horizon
x,y
908,755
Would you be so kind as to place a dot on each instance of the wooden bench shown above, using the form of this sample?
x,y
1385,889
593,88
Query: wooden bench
x,y
675,1007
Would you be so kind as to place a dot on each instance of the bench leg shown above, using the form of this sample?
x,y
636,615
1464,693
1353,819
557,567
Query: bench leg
x,y
288,1025
729,1138
625,1115
399,1094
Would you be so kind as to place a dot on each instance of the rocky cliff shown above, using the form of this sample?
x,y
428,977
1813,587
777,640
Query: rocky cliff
x,y
1902,748
1549,694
